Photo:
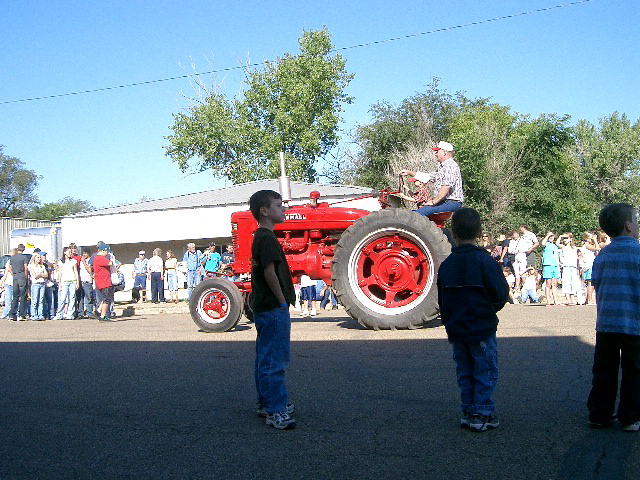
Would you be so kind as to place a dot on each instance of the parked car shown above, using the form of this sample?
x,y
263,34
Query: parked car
x,y
5,260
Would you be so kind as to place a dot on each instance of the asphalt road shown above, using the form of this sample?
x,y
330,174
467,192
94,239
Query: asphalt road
x,y
151,397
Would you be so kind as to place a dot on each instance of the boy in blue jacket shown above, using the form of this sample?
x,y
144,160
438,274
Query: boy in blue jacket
x,y
471,289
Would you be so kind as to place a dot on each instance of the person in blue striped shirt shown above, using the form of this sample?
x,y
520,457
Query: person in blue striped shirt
x,y
616,278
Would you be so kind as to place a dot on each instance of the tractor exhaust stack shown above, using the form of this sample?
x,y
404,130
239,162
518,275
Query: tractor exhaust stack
x,y
285,184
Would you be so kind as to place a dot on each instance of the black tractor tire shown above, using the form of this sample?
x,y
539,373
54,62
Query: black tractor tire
x,y
385,266
248,310
216,305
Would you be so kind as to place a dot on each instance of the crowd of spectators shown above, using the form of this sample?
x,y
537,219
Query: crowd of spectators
x,y
82,285
554,269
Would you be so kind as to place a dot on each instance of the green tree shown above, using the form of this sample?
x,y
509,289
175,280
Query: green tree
x,y
519,170
291,105
610,157
55,210
516,169
17,187
397,132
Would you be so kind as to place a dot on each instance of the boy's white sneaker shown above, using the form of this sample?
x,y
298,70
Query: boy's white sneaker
x,y
281,421
313,312
304,313
481,423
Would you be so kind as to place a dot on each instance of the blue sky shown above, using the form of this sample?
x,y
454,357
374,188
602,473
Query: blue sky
x,y
106,147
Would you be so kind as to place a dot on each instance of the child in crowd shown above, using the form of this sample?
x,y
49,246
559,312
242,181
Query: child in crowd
x,y
616,277
273,292
530,286
471,289
511,281
308,294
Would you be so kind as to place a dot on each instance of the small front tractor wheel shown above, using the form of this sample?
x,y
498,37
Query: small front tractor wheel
x,y
385,266
216,305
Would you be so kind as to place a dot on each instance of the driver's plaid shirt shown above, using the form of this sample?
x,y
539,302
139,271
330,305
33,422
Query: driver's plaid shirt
x,y
447,173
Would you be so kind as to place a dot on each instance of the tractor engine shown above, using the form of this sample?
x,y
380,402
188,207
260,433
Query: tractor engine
x,y
308,237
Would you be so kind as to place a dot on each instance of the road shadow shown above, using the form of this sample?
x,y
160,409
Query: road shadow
x,y
365,409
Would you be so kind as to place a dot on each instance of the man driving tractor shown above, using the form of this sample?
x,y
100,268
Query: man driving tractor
x,y
447,181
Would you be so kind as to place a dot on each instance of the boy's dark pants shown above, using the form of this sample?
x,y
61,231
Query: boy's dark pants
x,y
612,351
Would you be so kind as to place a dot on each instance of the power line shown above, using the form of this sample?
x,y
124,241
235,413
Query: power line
x,y
360,45
463,25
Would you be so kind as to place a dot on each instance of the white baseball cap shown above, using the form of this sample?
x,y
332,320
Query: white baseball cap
x,y
446,146
141,252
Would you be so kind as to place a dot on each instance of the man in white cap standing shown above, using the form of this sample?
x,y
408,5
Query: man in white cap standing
x,y
447,181
140,270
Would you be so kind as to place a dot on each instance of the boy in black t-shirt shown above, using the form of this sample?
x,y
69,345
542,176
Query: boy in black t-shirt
x,y
272,294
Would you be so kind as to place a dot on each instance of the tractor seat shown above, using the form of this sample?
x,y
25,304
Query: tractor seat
x,y
439,218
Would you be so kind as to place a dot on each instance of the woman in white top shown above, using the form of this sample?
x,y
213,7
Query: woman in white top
x,y
38,275
569,262
170,265
68,283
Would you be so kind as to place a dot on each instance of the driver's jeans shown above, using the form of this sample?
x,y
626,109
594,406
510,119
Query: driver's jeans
x,y
446,206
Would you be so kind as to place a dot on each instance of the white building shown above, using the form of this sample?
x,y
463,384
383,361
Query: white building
x,y
171,223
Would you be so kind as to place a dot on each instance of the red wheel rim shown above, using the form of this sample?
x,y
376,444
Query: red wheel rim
x,y
214,306
392,269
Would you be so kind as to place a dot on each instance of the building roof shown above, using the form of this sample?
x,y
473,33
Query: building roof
x,y
233,195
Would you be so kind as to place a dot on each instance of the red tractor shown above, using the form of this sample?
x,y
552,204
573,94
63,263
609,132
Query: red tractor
x,y
381,264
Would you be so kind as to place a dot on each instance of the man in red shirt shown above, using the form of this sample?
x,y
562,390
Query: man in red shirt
x,y
102,277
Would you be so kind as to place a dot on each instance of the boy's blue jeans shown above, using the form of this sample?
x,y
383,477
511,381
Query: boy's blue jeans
x,y
272,358
477,372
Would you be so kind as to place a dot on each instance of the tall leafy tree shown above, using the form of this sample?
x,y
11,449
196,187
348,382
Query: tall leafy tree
x,y
610,156
17,187
516,169
291,105
395,132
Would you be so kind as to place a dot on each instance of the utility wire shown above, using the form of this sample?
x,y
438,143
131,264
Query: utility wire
x,y
368,44
464,25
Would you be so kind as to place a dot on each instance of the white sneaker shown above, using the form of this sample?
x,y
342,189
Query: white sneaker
x,y
313,312
304,313
634,427
281,421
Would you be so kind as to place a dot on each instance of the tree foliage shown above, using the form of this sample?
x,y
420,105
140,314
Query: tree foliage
x,y
291,105
516,169
610,157
55,210
412,126
17,187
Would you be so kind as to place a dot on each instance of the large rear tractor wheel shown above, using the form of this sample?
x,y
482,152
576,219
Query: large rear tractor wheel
x,y
216,305
384,269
